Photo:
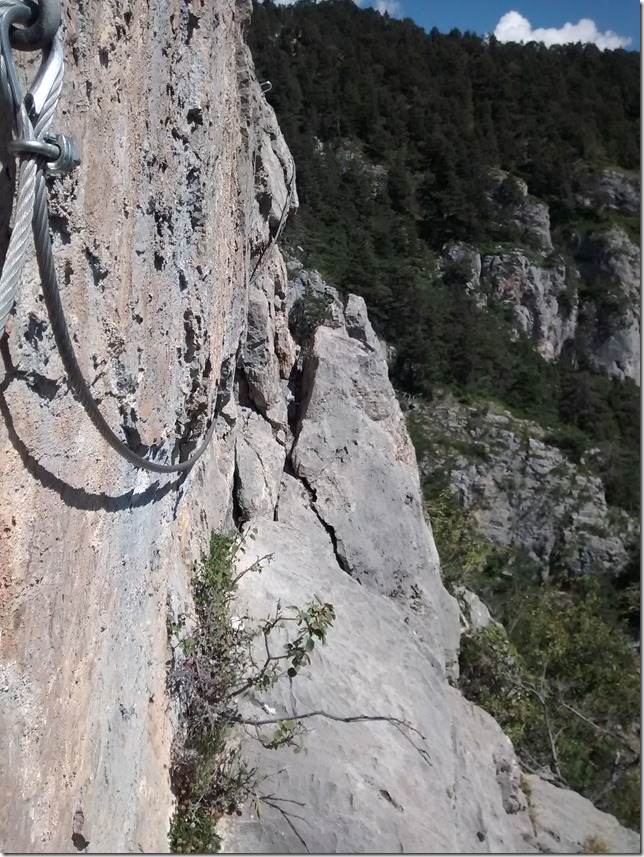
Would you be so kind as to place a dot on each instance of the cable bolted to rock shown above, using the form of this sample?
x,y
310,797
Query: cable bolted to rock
x,y
41,152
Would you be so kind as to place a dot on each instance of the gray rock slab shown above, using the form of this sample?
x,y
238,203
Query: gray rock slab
x,y
259,462
353,453
567,823
365,787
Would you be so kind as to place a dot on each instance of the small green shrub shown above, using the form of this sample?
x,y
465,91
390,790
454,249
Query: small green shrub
x,y
310,311
595,845
193,832
467,557
213,665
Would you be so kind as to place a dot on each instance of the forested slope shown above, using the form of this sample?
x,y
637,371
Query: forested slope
x,y
484,199
395,132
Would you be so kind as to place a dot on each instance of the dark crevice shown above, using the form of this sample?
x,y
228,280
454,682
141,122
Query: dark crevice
x,y
132,436
192,333
190,436
35,330
340,559
239,517
301,386
99,273
226,382
60,226
193,24
195,117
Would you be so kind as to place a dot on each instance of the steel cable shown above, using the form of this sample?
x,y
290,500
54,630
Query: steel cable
x,y
32,211
63,341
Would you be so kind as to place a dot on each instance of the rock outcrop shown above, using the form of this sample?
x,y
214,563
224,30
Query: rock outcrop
x,y
584,304
515,207
588,305
155,238
608,189
179,304
610,265
348,526
544,305
524,492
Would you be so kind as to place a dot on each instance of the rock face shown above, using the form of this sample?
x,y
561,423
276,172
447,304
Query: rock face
x,y
610,189
566,822
524,492
515,206
591,307
588,305
351,443
179,304
348,525
544,305
155,238
610,265
366,787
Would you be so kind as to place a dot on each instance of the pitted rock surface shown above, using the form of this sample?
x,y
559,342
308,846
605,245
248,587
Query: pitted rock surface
x,y
153,237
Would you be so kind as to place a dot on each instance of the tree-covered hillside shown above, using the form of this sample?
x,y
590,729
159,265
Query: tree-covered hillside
x,y
394,132
405,143
439,110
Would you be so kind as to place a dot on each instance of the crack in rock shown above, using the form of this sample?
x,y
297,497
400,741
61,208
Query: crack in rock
x,y
330,530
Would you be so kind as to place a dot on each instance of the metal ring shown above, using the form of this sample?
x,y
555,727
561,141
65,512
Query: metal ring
x,y
34,147
42,26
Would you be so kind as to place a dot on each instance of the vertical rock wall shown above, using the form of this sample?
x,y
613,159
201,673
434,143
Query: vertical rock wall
x,y
153,238
178,304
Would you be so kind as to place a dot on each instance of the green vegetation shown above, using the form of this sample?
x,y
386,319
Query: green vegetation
x,y
559,676
467,558
395,133
309,312
595,845
214,661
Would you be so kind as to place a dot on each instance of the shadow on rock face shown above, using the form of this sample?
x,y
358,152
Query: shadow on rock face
x,y
78,498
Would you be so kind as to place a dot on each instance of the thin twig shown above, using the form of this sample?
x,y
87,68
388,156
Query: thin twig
x,y
268,557
593,724
287,818
532,689
282,799
358,718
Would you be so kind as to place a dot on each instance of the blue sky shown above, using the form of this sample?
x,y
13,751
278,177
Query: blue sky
x,y
620,17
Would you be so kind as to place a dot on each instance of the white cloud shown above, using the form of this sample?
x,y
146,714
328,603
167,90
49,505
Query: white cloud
x,y
357,2
392,7
384,3
513,27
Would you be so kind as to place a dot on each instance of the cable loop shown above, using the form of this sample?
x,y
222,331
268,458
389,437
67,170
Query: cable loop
x,y
60,151
42,26
41,151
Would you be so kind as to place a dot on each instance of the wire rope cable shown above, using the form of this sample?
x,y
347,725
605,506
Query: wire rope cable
x,y
32,213
33,144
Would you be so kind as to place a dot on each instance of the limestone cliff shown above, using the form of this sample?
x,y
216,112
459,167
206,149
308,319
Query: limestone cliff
x,y
523,490
179,304
586,305
154,240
